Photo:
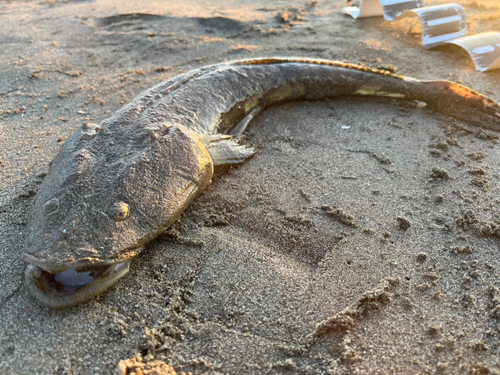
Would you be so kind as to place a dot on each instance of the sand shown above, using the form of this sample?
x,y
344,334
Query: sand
x,y
362,238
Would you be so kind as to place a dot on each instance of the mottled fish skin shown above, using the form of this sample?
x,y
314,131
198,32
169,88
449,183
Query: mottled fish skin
x,y
113,188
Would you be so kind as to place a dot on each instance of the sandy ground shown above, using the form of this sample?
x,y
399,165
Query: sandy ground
x,y
363,237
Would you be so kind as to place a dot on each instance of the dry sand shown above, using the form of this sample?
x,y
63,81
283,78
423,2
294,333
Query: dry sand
x,y
363,237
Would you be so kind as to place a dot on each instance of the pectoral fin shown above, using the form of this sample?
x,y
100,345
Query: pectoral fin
x,y
225,151
240,126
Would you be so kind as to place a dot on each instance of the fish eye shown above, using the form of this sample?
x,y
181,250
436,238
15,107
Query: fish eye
x,y
119,211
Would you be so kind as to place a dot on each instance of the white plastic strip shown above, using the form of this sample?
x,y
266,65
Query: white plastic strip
x,y
368,8
440,24
484,49
395,8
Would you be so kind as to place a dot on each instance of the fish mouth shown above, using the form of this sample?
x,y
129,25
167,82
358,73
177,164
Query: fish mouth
x,y
73,285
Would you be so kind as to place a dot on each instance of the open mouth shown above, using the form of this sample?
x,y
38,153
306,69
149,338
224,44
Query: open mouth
x,y
72,279
74,285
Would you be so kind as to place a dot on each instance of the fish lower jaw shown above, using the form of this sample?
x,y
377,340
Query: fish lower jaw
x,y
71,286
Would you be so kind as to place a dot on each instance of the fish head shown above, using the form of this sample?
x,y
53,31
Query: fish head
x,y
107,193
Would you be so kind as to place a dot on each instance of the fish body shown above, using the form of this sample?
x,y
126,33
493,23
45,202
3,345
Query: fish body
x,y
114,187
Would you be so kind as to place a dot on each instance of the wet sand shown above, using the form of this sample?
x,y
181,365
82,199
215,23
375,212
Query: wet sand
x,y
362,238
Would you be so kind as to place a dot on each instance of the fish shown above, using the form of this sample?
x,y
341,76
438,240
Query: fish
x,y
114,187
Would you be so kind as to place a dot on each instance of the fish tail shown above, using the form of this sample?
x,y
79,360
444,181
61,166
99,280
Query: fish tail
x,y
459,102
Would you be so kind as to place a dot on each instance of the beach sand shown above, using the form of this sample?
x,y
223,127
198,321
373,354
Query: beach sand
x,y
362,238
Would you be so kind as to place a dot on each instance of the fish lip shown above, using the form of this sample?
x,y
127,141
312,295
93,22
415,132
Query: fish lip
x,y
85,293
56,266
